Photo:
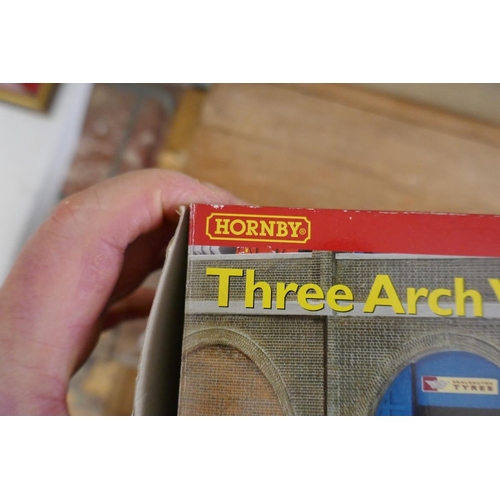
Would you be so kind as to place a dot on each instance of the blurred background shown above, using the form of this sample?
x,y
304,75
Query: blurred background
x,y
423,147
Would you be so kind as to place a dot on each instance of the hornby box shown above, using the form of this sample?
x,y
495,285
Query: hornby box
x,y
275,311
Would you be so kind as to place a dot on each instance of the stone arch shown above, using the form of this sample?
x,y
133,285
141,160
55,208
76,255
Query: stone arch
x,y
239,341
420,348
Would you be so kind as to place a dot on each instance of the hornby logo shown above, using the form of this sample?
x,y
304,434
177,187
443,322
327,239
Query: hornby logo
x,y
264,228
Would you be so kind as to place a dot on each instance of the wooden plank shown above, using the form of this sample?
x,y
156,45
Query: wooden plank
x,y
479,101
120,401
297,146
186,120
403,110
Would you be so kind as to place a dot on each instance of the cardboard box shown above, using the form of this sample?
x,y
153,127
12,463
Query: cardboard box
x,y
274,311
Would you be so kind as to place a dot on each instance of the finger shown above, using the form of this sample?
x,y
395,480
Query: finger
x,y
134,306
142,257
65,276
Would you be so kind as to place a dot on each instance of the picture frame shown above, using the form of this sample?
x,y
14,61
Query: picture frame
x,y
35,96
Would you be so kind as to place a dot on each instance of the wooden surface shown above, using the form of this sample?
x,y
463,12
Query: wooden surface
x,y
476,100
336,146
173,155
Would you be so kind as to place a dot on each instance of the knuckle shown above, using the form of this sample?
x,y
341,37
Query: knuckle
x,y
65,217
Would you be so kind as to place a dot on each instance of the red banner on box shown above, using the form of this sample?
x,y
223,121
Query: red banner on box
x,y
346,230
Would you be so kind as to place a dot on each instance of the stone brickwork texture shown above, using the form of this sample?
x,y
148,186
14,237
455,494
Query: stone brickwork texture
x,y
301,270
290,350
358,275
316,365
366,353
227,371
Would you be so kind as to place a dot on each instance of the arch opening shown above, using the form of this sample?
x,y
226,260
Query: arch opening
x,y
451,382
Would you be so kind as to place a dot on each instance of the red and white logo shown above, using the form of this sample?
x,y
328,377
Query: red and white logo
x,y
433,384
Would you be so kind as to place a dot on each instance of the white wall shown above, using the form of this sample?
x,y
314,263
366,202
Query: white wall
x,y
36,151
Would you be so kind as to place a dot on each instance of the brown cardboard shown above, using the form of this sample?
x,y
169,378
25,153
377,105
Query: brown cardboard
x,y
157,385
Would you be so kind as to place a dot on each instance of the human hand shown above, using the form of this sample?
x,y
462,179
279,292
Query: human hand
x,y
80,273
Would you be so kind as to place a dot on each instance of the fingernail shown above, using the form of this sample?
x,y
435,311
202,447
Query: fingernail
x,y
213,187
219,190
